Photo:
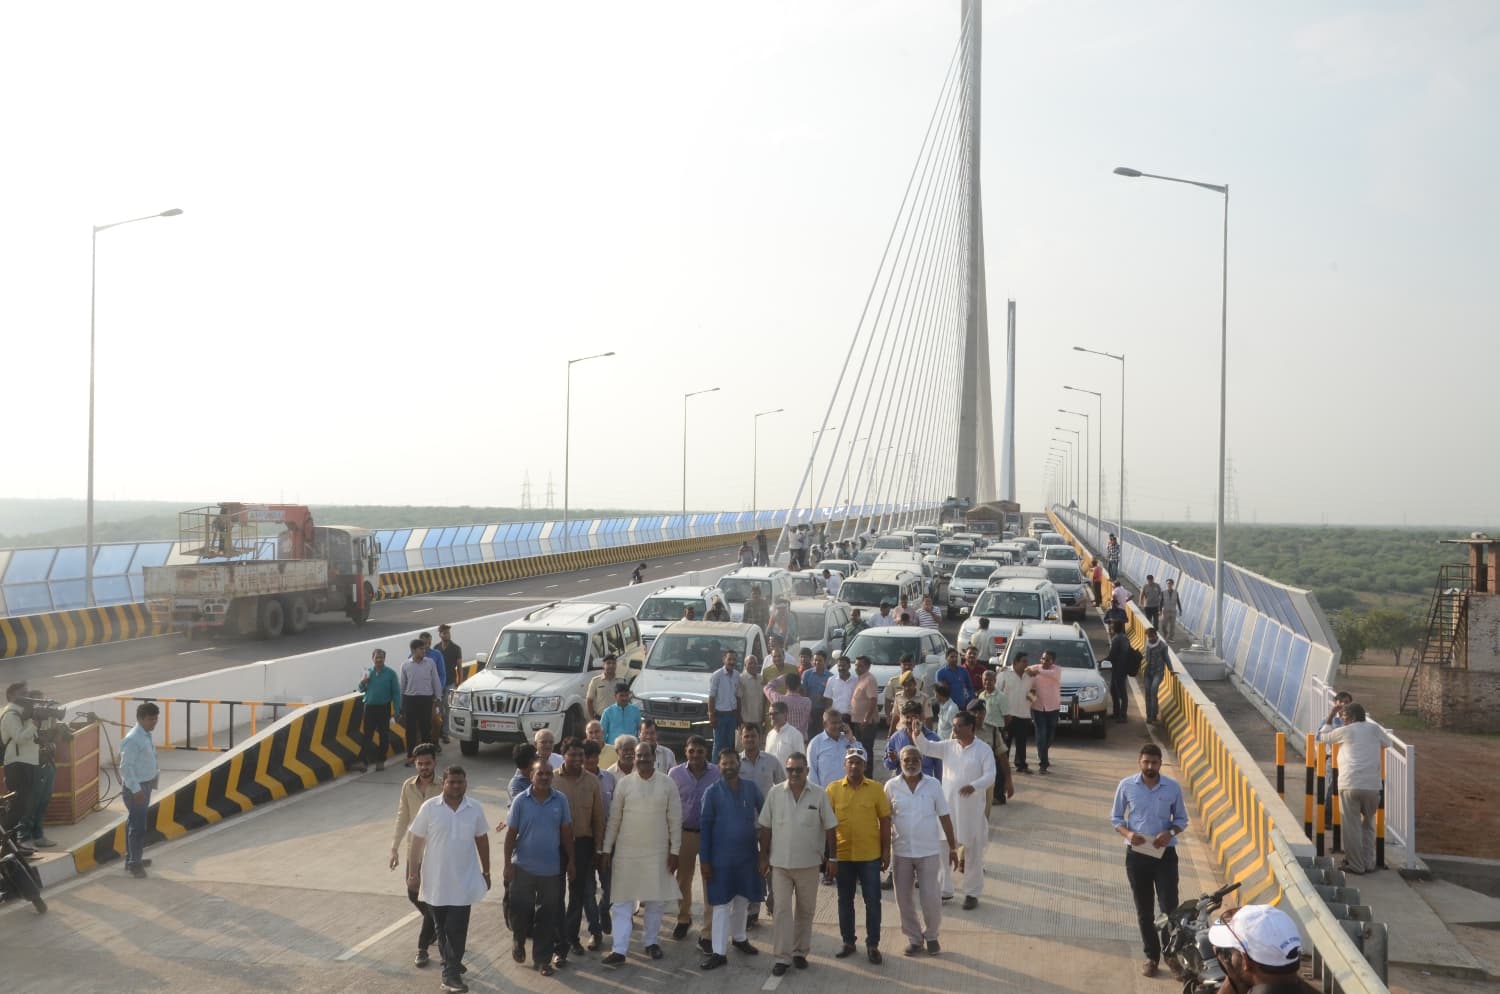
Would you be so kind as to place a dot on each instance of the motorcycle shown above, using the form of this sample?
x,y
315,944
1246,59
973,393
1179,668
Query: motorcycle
x,y
1184,942
17,877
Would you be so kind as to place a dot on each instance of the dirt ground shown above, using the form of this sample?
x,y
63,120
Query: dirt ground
x,y
1454,815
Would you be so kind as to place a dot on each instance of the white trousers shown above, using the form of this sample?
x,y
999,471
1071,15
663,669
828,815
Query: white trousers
x,y
729,919
973,837
620,923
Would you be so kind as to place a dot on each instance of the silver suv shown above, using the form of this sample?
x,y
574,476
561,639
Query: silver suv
x,y
670,604
970,578
1085,680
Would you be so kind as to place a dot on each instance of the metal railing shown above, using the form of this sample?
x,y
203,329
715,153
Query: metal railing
x,y
205,708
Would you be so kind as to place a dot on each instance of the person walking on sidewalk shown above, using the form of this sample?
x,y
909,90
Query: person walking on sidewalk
x,y
692,779
864,849
584,790
1359,784
729,860
1112,556
968,774
416,791
449,867
920,827
1158,660
420,686
538,852
797,831
1096,580
1149,813
1016,686
642,839
1120,655
382,701
1171,606
1046,703
724,701
1151,599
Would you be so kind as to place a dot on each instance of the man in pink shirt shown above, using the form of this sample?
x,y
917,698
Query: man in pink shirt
x,y
864,705
1046,700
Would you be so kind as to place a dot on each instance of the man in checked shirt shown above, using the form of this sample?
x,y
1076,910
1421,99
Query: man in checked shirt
x,y
414,792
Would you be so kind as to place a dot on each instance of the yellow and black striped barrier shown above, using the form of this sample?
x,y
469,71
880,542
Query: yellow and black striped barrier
x,y
31,633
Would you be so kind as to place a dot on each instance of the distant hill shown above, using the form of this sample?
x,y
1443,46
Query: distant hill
x,y
27,523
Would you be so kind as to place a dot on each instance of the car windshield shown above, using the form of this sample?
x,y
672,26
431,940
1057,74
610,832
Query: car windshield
x,y
1008,604
884,650
1072,654
864,558
834,565
868,592
890,542
958,549
667,608
690,653
807,586
973,571
737,589
549,651
1061,552
1064,574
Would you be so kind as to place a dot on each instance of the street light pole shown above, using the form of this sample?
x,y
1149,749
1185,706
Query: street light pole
x,y
568,434
1087,471
88,513
1120,520
1099,480
1078,457
755,460
1220,188
1070,467
684,447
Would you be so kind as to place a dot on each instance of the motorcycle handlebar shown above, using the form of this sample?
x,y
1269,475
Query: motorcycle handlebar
x,y
1224,891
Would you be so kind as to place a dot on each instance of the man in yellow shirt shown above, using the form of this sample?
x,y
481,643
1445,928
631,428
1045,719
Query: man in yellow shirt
x,y
864,848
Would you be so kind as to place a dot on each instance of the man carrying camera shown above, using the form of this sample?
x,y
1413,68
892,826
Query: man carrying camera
x,y
19,736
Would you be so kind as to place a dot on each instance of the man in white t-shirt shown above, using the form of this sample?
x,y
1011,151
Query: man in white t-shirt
x,y
832,583
449,867
840,688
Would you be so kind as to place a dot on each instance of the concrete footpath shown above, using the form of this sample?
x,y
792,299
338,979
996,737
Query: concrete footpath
x,y
297,896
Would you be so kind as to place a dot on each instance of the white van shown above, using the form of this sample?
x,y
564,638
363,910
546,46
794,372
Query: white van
x,y
672,690
867,590
538,673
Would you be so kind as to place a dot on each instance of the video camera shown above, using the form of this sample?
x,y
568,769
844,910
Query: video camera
x,y
40,709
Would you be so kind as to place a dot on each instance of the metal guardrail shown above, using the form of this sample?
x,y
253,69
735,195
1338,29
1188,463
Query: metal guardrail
x,y
206,707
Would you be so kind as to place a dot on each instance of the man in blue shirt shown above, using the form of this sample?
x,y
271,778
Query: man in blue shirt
x,y
957,680
1149,813
621,717
138,772
381,702
826,751
442,699
724,702
815,683
900,739
538,850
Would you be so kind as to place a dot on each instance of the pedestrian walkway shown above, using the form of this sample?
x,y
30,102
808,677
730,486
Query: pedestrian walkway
x,y
296,896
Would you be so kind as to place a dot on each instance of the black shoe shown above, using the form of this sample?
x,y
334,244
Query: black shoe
x,y
752,921
746,948
947,897
654,951
137,871
144,862
596,943
613,959
914,949
779,970
422,958
518,953
845,952
873,955
455,986
606,926
800,962
575,948
712,962
932,947
705,945
971,902
681,931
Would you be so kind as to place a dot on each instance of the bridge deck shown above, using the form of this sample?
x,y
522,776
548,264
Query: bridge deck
x,y
296,896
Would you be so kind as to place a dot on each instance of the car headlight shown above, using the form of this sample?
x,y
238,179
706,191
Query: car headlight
x,y
544,704
460,699
1089,695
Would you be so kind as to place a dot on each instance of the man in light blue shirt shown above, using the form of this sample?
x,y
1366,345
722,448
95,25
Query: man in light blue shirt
x,y
138,772
724,702
538,852
621,717
1149,813
826,751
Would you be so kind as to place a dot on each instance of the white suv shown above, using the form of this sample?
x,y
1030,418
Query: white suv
x,y
773,582
538,673
670,604
1006,604
970,578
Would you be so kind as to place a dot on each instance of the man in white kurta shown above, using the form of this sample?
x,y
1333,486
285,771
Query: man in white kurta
x,y
968,774
641,844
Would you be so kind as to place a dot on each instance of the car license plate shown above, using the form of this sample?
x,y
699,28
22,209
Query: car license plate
x,y
498,725
673,723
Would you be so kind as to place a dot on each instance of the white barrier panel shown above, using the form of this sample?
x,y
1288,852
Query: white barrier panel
x,y
326,673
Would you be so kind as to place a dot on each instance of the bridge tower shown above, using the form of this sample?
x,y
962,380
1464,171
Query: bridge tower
x,y
976,427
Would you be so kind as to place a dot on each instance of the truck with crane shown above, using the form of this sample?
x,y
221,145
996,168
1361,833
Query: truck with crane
x,y
263,570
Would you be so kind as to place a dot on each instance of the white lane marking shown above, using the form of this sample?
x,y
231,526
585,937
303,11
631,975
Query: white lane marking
x,y
353,951
551,585
96,669
473,600
421,609
584,580
679,562
516,593
771,984
209,648
608,575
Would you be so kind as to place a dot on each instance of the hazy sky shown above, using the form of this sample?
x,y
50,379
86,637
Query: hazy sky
x,y
401,220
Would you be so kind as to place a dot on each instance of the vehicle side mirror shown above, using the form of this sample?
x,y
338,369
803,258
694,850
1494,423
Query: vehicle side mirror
x,y
963,612
1051,615
1105,664
837,633
482,658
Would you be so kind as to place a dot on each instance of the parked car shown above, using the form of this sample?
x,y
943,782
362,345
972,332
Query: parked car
x,y
1063,553
538,672
1007,604
868,590
951,552
773,582
668,604
1050,538
672,689
1032,547
817,624
1072,589
845,567
808,583
885,646
970,578
1085,680
1017,573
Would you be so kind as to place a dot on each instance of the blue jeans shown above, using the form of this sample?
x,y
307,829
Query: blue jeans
x,y
725,723
1151,686
1046,731
135,823
866,874
46,776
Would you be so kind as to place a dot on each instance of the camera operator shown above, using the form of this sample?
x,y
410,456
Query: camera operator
x,y
47,715
18,739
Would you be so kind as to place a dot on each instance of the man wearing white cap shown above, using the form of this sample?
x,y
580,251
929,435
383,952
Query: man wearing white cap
x,y
1260,950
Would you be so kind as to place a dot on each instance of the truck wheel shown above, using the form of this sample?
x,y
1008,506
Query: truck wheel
x,y
360,615
296,615
271,620
468,748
